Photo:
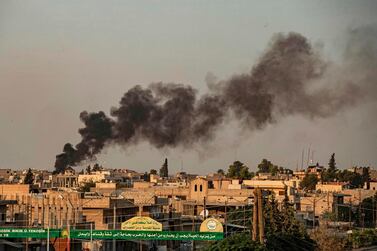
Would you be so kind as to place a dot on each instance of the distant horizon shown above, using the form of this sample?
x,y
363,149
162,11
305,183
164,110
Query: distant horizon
x,y
225,168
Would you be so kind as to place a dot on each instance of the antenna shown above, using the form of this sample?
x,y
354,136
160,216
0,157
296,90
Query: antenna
x,y
307,163
302,159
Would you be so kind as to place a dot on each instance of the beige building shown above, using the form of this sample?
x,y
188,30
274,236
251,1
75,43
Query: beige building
x,y
331,187
98,176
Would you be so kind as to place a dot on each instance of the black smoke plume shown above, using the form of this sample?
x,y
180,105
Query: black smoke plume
x,y
289,78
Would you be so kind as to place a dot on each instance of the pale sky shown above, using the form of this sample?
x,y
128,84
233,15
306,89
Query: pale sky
x,y
58,58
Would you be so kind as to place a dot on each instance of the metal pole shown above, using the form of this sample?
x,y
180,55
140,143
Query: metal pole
x,y
314,201
260,217
91,236
27,221
255,216
226,218
204,208
48,238
114,219
244,218
69,236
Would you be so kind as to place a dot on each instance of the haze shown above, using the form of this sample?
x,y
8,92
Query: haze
x,y
59,58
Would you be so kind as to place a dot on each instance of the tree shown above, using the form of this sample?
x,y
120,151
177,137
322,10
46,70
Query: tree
x,y
164,172
86,186
328,240
245,174
267,167
331,173
153,171
88,170
97,167
29,177
238,170
365,174
309,182
353,178
146,177
366,212
282,230
332,163
221,172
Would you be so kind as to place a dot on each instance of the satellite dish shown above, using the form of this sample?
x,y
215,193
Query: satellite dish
x,y
204,213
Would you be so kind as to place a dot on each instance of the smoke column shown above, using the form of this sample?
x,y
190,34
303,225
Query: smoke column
x,y
289,78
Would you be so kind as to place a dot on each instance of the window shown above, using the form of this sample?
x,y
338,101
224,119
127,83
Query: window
x,y
196,188
201,188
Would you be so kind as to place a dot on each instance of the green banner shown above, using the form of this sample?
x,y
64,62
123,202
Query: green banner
x,y
38,233
145,235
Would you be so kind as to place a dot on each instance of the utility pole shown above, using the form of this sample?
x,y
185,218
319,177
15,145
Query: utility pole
x,y
27,221
48,239
350,213
373,211
226,218
171,224
114,220
255,216
69,236
336,209
260,217
314,202
91,236
204,208
360,213
244,218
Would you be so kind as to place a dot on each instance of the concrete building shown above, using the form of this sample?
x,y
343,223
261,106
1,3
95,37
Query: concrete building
x,y
331,186
97,176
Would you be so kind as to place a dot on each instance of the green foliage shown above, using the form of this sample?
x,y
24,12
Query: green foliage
x,y
328,239
330,174
355,179
332,163
153,171
284,242
241,216
267,167
29,177
221,172
283,231
309,182
363,238
146,177
164,172
86,186
238,241
97,167
239,170
88,170
282,221
364,213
